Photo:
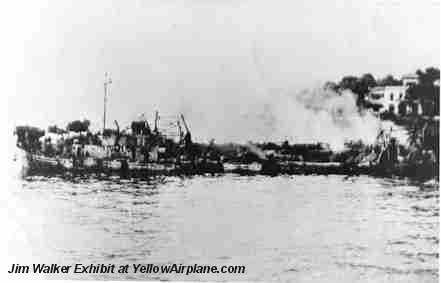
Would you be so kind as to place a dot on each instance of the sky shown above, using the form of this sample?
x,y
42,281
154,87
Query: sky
x,y
200,57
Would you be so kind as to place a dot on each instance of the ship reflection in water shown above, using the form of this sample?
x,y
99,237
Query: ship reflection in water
x,y
301,228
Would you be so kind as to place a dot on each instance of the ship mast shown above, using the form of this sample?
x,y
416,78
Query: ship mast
x,y
107,81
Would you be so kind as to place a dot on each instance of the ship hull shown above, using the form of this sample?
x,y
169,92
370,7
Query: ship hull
x,y
42,165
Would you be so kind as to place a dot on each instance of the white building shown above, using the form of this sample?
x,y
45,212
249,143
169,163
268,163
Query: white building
x,y
389,98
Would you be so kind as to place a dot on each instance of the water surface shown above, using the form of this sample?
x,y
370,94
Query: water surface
x,y
299,228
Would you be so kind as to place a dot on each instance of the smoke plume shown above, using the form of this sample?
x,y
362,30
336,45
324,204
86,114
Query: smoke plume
x,y
309,116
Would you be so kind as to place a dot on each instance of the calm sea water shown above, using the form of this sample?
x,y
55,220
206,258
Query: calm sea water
x,y
299,228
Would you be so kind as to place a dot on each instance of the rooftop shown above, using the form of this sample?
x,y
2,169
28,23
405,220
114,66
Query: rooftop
x,y
410,76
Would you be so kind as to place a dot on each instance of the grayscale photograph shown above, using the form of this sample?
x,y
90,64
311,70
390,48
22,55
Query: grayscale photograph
x,y
220,140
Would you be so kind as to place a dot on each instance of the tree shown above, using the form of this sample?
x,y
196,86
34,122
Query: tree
x,y
31,132
28,137
359,86
54,129
78,126
368,81
429,76
427,95
348,82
